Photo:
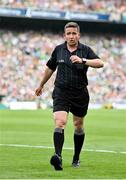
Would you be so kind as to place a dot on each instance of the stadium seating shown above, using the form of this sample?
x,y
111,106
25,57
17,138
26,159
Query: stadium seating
x,y
104,6
23,56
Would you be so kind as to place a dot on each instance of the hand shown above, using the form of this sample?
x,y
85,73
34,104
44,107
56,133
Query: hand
x,y
75,59
38,91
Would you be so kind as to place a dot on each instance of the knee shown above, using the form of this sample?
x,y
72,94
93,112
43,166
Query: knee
x,y
60,122
78,124
60,118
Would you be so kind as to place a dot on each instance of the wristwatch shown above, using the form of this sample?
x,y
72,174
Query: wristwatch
x,y
83,60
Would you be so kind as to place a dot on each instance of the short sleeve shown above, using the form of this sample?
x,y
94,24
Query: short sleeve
x,y
91,54
52,61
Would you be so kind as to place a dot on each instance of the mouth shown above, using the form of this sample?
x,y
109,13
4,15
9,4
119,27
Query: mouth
x,y
72,41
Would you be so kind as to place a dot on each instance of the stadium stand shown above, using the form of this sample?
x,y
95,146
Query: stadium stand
x,y
23,56
71,5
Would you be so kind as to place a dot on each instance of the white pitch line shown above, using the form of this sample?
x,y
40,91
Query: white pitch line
x,y
65,148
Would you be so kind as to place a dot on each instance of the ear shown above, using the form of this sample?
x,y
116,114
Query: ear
x,y
64,36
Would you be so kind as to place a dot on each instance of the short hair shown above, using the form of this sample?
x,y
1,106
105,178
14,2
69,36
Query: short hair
x,y
72,24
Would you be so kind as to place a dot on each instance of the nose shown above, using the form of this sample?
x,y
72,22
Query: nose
x,y
71,36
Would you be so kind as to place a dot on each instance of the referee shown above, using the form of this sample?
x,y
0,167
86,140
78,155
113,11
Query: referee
x,y
70,94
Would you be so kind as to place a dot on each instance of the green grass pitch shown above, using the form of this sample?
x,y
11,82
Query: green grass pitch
x,y
105,130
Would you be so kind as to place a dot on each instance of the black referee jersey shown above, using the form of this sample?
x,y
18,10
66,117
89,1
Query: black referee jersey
x,y
70,75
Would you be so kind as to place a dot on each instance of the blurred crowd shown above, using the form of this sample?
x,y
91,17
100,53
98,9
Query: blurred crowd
x,y
23,56
104,6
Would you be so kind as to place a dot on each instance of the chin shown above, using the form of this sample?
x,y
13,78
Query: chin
x,y
72,44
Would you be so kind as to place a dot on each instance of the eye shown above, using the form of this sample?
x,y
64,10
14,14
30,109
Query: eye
x,y
68,33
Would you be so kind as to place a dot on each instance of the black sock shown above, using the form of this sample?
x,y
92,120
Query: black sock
x,y
58,140
79,136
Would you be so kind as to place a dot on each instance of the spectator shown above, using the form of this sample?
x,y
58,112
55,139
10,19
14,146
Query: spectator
x,y
23,54
103,6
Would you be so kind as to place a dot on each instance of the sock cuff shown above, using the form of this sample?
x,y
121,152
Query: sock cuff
x,y
59,130
79,131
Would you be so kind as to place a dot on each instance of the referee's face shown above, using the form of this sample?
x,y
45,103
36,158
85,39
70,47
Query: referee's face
x,y
71,36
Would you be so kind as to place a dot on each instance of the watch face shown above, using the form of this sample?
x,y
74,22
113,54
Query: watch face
x,y
84,61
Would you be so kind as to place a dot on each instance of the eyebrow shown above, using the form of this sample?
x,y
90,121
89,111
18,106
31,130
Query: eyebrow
x,y
71,32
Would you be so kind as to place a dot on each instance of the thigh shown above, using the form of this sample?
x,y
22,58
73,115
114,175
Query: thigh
x,y
79,103
79,111
60,100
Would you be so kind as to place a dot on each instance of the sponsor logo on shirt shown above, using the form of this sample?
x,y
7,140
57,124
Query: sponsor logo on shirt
x,y
61,61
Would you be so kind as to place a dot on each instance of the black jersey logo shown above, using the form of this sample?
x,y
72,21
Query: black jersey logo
x,y
61,61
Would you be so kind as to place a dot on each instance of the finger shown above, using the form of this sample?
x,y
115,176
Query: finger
x,y
37,92
71,57
74,60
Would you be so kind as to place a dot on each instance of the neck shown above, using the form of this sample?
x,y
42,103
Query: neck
x,y
72,48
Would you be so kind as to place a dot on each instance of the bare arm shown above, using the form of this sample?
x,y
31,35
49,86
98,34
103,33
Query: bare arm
x,y
47,74
94,63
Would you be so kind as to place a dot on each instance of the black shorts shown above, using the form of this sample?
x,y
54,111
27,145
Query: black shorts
x,y
75,101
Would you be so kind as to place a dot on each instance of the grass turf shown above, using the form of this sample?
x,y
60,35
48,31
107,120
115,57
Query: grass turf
x,y
105,130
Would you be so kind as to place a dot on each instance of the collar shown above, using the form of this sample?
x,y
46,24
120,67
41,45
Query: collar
x,y
78,47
